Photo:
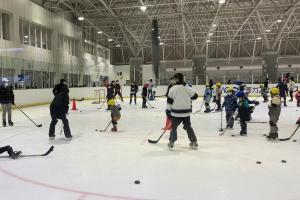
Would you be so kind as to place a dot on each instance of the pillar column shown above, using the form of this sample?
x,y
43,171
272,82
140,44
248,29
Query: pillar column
x,y
136,70
270,65
199,69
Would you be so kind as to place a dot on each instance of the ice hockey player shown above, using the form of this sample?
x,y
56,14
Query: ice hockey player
x,y
118,90
110,89
230,104
252,103
115,114
58,110
172,82
297,97
63,83
207,98
243,112
264,93
12,154
274,113
144,95
150,90
218,96
283,90
179,108
291,86
7,99
134,88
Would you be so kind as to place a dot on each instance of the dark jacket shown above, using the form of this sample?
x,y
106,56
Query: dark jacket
x,y
169,87
110,91
134,89
144,92
243,110
56,90
230,103
283,88
117,87
7,95
60,103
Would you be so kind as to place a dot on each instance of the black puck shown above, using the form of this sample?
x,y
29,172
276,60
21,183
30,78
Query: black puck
x,y
137,182
294,140
96,129
232,135
265,135
258,162
283,161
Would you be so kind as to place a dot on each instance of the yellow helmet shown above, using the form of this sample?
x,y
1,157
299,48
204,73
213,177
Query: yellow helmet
x,y
111,102
275,91
230,88
218,84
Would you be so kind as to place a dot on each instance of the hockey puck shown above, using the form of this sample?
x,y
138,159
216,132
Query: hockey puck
x,y
258,162
96,129
283,161
137,182
265,135
232,135
294,140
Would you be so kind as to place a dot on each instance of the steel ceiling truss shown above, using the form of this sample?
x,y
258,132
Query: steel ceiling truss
x,y
238,28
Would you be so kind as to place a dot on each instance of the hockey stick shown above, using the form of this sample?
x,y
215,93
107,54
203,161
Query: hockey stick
x,y
221,129
149,103
38,125
34,155
285,139
156,141
231,117
105,128
102,105
200,108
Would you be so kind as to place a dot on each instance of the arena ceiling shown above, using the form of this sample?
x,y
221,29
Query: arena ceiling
x,y
228,29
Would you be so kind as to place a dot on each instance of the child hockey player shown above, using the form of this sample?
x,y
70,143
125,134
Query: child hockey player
x,y
58,110
7,99
291,87
115,114
243,112
230,104
144,95
218,96
274,113
12,154
179,108
297,97
264,93
134,88
207,98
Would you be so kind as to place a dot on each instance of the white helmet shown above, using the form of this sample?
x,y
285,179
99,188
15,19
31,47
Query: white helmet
x,y
5,80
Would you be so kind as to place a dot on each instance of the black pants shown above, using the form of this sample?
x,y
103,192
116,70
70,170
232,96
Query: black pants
x,y
243,127
63,118
284,100
118,92
186,121
230,118
218,102
7,149
291,95
133,95
144,102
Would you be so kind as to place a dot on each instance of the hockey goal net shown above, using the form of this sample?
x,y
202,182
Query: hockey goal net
x,y
99,96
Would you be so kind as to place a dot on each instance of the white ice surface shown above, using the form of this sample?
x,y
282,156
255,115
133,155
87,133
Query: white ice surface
x,y
105,165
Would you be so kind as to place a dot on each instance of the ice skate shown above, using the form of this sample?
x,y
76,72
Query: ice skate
x,y
16,154
68,138
272,136
10,123
194,145
114,129
51,138
171,145
4,123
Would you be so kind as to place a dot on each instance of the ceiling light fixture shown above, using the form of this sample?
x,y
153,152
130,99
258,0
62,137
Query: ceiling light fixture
x,y
268,30
143,8
110,40
99,32
80,18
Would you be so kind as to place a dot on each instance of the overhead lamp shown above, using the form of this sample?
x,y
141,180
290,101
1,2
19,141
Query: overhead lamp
x,y
85,41
210,34
259,38
279,20
161,43
110,39
158,37
80,18
143,8
222,1
214,25
208,40
100,32
26,36
268,30
118,45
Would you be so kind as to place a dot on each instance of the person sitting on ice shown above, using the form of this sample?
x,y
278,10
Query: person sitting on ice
x,y
7,99
58,110
12,154
274,113
179,108
56,90
230,104
115,114
207,98
144,95
297,97
243,112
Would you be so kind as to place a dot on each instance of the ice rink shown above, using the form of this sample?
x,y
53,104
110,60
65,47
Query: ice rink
x,y
105,165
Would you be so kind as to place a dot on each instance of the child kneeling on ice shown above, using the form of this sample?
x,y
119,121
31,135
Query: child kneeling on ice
x,y
115,114
243,112
274,113
12,154
230,104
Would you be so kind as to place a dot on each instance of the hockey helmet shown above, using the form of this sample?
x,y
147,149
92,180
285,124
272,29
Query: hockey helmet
x,y
240,94
274,91
111,102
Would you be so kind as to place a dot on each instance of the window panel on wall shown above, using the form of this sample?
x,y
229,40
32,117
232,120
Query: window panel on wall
x,y
20,31
44,38
32,34
6,26
26,32
38,36
49,39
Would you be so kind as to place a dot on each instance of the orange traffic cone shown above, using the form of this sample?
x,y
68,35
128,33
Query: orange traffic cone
x,y
168,125
74,105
